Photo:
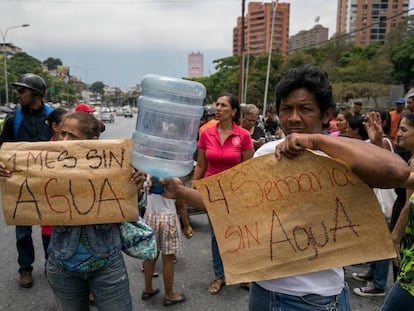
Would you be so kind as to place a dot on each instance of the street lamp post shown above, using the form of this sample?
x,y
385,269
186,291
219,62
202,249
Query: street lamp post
x,y
269,59
3,35
86,71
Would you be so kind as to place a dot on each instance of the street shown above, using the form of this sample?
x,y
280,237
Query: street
x,y
193,270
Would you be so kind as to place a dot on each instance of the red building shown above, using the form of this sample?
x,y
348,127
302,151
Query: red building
x,y
258,28
195,65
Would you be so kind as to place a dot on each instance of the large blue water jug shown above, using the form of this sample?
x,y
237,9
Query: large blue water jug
x,y
165,136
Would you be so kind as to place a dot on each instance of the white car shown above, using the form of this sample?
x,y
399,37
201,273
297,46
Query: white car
x,y
107,115
127,112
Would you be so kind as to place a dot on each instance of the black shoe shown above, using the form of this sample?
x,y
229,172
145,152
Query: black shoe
x,y
25,279
171,302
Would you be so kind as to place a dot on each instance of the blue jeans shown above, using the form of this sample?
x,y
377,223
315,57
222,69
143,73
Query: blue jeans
x,y
261,299
25,249
378,270
217,263
398,299
109,286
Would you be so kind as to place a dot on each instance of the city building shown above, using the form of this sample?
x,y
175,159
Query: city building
x,y
258,28
369,21
195,65
308,38
10,49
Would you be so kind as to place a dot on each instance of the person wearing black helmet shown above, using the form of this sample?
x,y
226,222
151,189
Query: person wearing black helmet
x,y
27,123
210,115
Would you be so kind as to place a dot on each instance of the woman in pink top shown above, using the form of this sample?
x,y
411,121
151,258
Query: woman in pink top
x,y
221,147
341,124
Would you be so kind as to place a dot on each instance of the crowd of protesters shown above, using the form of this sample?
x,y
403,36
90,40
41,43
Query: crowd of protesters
x,y
305,117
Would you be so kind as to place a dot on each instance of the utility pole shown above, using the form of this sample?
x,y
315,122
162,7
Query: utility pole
x,y
241,62
269,59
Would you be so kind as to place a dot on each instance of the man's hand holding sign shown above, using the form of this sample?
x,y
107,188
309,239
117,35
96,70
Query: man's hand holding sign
x,y
274,219
68,182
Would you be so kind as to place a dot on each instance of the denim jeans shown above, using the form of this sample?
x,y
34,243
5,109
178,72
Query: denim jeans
x,y
109,286
261,299
46,242
217,263
25,249
398,299
378,270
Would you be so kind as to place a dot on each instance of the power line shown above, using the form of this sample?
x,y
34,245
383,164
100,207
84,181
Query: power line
x,y
348,34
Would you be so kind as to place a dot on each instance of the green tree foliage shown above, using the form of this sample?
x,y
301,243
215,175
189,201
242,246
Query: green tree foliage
x,y
22,63
52,63
256,79
296,59
224,80
18,65
344,91
97,87
400,48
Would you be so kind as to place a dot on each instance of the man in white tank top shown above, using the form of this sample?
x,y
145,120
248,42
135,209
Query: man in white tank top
x,y
304,102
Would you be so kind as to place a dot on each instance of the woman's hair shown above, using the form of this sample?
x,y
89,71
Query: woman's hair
x,y
56,116
310,77
251,109
234,102
346,114
410,118
90,126
356,123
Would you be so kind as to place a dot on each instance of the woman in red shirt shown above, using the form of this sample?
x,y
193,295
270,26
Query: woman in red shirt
x,y
221,147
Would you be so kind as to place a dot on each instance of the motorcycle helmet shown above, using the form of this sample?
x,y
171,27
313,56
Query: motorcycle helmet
x,y
209,110
33,82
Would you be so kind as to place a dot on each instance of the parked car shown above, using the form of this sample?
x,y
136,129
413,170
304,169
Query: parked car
x,y
119,112
107,115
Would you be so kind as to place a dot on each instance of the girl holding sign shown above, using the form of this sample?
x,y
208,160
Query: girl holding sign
x,y
87,258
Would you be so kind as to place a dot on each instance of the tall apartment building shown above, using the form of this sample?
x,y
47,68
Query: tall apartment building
x,y
195,65
258,27
308,38
368,21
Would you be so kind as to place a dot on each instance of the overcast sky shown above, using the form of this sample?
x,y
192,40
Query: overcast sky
x,y
119,41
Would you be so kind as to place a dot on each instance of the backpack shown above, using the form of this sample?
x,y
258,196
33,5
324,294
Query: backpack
x,y
18,117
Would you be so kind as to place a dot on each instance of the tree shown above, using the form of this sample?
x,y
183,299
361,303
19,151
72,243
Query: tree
x,y
224,80
257,79
22,63
17,65
52,63
97,87
344,91
399,47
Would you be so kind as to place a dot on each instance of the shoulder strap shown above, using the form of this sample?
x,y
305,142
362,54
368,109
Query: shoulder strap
x,y
47,109
390,144
18,117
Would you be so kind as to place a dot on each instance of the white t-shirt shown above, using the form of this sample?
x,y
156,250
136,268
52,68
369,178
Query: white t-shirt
x,y
325,283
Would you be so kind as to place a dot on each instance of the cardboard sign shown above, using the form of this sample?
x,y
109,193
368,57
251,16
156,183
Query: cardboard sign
x,y
68,183
275,219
